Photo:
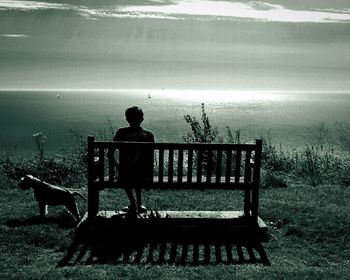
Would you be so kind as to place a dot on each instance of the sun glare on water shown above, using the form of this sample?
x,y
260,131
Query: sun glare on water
x,y
218,95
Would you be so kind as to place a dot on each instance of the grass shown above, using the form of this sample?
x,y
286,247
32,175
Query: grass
x,y
308,228
304,201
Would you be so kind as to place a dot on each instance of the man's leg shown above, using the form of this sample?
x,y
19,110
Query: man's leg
x,y
132,201
138,197
140,207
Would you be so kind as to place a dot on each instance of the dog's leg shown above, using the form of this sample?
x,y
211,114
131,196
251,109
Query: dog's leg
x,y
43,209
82,252
73,208
79,194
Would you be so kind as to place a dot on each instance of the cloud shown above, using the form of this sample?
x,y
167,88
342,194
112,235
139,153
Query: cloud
x,y
14,35
253,10
84,11
118,13
194,9
31,5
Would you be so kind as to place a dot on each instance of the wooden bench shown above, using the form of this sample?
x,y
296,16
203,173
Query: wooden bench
x,y
185,166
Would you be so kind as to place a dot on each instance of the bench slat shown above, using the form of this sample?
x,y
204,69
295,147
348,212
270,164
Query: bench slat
x,y
161,165
218,165
247,166
228,165
171,165
101,155
111,164
189,168
209,164
238,164
199,165
180,165
175,146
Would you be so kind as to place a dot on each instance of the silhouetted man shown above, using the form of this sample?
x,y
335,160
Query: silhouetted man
x,y
135,165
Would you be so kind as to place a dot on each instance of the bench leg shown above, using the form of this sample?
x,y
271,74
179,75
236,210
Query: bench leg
x,y
93,202
247,203
255,204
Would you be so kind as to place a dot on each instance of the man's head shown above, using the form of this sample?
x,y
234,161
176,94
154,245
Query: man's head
x,y
134,116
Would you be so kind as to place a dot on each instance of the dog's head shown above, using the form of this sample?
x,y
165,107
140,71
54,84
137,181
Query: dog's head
x,y
27,182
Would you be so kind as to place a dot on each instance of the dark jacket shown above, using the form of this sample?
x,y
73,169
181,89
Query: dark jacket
x,y
135,165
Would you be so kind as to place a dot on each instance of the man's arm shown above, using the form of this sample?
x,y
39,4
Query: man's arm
x,y
118,135
150,137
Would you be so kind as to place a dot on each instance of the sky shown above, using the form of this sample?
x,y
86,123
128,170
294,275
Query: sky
x,y
289,45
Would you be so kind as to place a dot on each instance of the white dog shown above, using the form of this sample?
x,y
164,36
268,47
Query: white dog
x,y
47,194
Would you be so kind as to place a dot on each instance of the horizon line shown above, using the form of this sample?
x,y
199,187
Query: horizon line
x,y
171,89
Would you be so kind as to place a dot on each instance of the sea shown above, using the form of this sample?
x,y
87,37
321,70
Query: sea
x,y
287,118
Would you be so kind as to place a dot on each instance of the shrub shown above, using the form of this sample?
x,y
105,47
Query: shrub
x,y
275,159
39,141
320,137
62,171
67,169
342,132
271,179
317,163
204,133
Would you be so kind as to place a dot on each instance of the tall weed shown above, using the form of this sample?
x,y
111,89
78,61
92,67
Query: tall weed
x,y
204,133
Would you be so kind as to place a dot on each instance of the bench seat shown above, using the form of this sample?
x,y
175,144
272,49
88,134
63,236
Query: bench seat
x,y
231,219
221,183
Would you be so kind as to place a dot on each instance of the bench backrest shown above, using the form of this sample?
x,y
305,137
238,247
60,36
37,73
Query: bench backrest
x,y
181,165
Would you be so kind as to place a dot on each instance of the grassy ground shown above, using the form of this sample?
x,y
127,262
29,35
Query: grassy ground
x,y
309,229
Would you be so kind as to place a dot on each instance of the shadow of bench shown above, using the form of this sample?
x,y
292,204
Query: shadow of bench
x,y
156,239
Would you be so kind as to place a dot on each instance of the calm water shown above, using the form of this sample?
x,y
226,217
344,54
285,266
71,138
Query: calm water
x,y
285,116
